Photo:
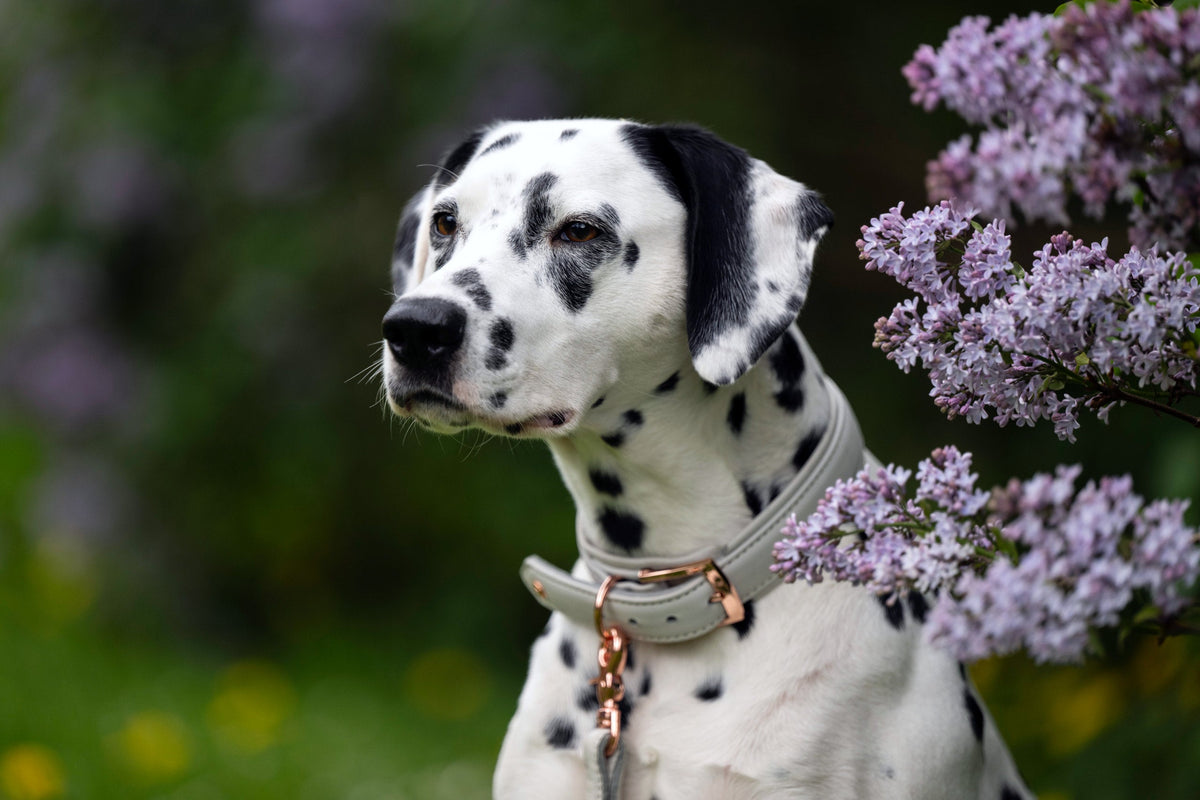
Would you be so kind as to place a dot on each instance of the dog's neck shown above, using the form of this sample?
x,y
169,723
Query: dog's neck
x,y
676,466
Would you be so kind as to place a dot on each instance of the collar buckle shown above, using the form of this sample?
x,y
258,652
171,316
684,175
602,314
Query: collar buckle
x,y
723,591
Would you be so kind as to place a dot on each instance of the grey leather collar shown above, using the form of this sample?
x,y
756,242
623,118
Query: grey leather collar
x,y
683,610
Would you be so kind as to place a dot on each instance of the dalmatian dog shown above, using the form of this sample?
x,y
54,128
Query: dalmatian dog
x,y
628,294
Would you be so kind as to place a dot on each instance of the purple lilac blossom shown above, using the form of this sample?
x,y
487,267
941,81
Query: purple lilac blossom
x,y
1100,102
1076,328
1035,564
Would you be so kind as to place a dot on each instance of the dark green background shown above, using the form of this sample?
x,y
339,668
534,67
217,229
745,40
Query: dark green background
x,y
224,572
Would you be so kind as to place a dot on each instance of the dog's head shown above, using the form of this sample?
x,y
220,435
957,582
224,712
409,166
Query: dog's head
x,y
548,261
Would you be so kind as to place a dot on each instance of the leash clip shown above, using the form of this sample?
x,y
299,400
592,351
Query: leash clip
x,y
612,655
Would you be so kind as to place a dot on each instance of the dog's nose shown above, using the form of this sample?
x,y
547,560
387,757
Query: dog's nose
x,y
424,333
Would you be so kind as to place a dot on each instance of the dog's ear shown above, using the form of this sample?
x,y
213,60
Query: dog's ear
x,y
750,238
411,250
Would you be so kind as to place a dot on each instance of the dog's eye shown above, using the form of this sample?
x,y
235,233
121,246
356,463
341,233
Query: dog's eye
x,y
579,232
445,223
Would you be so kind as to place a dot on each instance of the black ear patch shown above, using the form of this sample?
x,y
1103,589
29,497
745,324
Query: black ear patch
x,y
747,227
405,247
457,159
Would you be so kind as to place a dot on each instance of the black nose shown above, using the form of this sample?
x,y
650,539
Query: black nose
x,y
424,333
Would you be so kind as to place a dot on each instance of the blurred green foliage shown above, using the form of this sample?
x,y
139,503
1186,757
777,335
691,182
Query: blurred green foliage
x,y
223,571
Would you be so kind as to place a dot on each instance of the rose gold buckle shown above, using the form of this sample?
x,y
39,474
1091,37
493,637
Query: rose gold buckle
x,y
723,591
611,657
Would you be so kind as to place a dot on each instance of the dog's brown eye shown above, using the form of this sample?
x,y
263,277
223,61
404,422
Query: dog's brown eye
x,y
579,232
445,223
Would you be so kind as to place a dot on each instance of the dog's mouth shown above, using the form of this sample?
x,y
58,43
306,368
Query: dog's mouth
x,y
435,410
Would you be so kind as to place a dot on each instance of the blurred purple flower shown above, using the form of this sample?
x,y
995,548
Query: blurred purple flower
x,y
1022,346
118,182
1100,102
82,498
1035,565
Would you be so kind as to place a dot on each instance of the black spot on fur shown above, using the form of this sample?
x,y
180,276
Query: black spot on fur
x,y
495,360
585,698
668,385
975,713
806,447
599,400
513,429
443,249
606,482
569,133
787,362
1009,793
501,335
458,158
557,418
918,606
517,245
560,733
625,705
500,144
645,690
613,439
811,215
632,252
622,528
736,417
566,651
710,690
775,490
538,213
629,663
772,287
893,610
747,622
753,501
405,244
962,671
498,399
633,417
470,280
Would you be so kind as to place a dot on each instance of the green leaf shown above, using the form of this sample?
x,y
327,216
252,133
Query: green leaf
x,y
1082,360
1180,5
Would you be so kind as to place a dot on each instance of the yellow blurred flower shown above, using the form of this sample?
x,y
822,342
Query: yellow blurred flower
x,y
31,772
153,746
1076,716
449,683
253,700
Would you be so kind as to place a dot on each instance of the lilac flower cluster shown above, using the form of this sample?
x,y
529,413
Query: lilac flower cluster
x,y
1101,102
1033,565
1076,329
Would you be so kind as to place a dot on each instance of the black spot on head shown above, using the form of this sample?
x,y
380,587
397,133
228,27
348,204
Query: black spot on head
x,y
668,385
609,217
406,238
557,418
498,399
615,439
894,610
633,417
772,287
632,253
516,243
500,144
538,212
736,417
560,733
585,698
622,528
1009,793
710,690
806,447
747,622
753,501
606,482
470,280
645,690
566,651
513,429
495,360
975,713
443,250
811,215
568,133
501,335
918,606
458,158
599,400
